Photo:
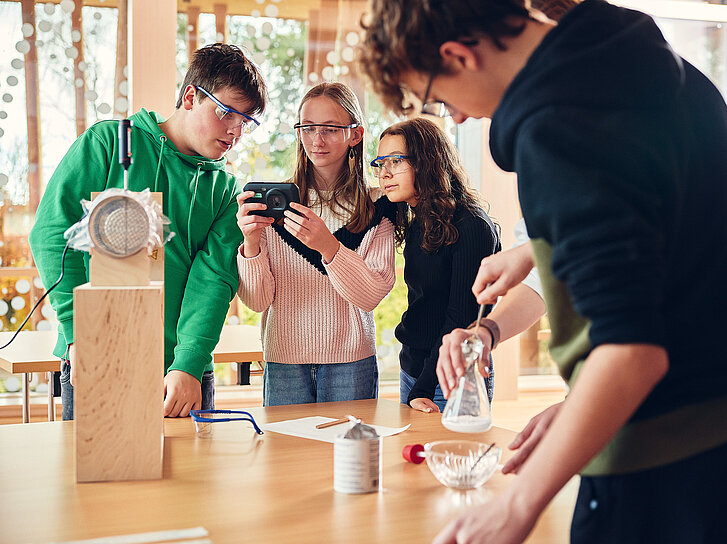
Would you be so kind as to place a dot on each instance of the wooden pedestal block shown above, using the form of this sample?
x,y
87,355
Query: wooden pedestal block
x,y
119,387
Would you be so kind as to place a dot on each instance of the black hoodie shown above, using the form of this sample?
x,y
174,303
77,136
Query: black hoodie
x,y
620,146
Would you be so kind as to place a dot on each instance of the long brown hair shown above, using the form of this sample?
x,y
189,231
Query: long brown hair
x,y
350,190
440,181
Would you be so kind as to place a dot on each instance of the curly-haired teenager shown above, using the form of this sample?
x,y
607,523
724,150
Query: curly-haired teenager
x,y
445,234
618,144
318,276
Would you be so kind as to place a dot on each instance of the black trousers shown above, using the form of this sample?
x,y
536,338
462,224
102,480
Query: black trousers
x,y
681,503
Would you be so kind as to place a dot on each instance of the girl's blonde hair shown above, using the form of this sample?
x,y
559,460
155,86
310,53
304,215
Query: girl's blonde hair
x,y
350,189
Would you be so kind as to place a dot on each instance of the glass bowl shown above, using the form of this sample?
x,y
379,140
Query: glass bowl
x,y
455,462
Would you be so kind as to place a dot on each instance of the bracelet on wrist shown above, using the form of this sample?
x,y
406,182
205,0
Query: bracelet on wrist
x,y
492,328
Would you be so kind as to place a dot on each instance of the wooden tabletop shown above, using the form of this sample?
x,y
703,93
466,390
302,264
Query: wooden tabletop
x,y
32,351
245,488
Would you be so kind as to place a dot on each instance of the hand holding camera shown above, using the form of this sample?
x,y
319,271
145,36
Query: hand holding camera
x,y
250,224
309,228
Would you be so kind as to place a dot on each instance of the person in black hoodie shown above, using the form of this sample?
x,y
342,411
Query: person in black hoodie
x,y
619,146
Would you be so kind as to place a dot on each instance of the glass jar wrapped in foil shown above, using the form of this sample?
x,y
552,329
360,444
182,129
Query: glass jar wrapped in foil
x,y
468,407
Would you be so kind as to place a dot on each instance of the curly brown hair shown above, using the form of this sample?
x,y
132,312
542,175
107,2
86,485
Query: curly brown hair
x,y
350,190
440,181
405,35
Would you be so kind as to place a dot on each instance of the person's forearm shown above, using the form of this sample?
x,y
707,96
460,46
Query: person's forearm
x,y
517,310
596,408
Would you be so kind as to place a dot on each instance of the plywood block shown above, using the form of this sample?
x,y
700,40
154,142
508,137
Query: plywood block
x,y
119,382
105,270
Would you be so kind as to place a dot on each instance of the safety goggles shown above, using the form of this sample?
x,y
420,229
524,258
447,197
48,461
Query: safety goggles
x,y
394,164
203,419
332,134
230,116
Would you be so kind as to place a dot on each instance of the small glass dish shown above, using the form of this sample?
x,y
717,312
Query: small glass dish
x,y
203,419
460,464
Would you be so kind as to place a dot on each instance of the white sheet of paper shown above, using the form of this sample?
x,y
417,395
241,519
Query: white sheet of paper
x,y
305,427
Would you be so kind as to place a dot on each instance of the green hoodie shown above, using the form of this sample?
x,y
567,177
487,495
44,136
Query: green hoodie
x,y
200,273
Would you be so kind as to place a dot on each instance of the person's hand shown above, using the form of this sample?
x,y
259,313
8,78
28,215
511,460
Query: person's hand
x,y
451,365
72,362
501,272
251,225
310,229
504,520
529,437
424,404
182,393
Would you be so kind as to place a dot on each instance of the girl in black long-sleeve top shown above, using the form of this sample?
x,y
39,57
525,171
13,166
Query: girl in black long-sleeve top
x,y
445,233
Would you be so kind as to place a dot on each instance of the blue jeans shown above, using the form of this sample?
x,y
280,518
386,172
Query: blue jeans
x,y
406,382
208,391
303,383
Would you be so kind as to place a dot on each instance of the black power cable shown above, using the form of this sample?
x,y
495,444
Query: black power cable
x,y
63,262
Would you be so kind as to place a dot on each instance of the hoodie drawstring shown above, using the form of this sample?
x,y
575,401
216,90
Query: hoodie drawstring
x,y
191,207
163,139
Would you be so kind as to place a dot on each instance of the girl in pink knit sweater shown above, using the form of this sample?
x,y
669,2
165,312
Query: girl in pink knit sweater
x,y
318,274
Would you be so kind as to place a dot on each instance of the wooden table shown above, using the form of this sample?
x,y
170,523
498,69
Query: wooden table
x,y
245,488
32,351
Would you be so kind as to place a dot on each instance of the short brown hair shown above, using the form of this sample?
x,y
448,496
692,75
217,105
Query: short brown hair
x,y
405,35
221,65
440,181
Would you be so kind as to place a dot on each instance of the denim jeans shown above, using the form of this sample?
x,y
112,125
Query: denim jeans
x,y
303,383
208,391
406,382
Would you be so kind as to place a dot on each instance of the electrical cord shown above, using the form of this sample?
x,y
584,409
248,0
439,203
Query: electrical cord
x,y
63,263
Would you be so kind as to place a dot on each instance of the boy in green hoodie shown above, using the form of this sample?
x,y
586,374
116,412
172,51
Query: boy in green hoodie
x,y
183,158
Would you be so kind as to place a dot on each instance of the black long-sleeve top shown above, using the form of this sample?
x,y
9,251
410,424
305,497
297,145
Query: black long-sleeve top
x,y
440,293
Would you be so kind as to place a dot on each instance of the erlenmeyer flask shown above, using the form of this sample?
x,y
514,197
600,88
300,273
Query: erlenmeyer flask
x,y
468,408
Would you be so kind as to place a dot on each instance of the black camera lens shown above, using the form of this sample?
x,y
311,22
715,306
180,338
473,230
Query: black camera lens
x,y
276,201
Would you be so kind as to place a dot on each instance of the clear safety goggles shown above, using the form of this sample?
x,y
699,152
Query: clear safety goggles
x,y
230,116
394,164
332,134
203,419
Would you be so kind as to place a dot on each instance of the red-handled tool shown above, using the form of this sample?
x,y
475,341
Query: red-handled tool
x,y
414,453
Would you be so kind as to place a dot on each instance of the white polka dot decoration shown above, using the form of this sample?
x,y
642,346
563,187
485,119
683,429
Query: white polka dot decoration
x,y
47,311
352,38
17,303
43,326
4,307
22,286
22,47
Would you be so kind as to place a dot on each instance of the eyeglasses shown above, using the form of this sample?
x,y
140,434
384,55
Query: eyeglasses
x,y
435,108
394,164
332,134
204,418
231,117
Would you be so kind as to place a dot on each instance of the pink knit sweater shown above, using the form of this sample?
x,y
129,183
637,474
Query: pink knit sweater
x,y
309,317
